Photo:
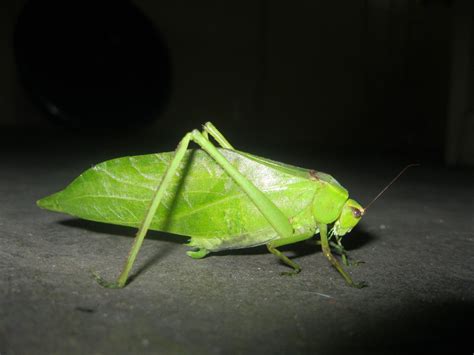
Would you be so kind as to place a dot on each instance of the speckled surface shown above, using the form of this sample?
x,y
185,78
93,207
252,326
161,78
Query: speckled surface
x,y
417,243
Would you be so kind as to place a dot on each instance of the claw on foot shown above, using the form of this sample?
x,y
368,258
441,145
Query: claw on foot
x,y
105,283
361,284
290,273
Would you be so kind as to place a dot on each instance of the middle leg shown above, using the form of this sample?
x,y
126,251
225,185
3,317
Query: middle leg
x,y
274,244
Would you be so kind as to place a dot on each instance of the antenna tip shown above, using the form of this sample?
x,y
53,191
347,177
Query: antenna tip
x,y
390,183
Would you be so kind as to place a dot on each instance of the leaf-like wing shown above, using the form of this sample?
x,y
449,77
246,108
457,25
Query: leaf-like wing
x,y
202,201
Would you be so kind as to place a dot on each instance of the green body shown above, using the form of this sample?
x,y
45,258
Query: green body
x,y
220,197
203,201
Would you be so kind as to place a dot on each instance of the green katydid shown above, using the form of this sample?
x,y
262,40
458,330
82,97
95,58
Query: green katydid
x,y
220,197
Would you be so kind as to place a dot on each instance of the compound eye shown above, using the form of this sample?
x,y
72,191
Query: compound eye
x,y
356,212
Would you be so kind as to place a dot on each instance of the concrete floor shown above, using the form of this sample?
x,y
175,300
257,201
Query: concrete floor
x,y
417,243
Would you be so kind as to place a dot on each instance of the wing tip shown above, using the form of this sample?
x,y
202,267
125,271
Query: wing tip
x,y
50,202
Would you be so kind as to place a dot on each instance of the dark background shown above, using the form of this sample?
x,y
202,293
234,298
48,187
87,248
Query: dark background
x,y
354,88
348,76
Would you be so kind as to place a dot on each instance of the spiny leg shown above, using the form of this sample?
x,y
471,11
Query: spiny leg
x,y
155,202
340,250
344,254
327,252
285,259
337,246
272,248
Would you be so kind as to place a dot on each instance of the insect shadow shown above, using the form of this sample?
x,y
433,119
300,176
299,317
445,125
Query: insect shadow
x,y
359,237
355,240
123,231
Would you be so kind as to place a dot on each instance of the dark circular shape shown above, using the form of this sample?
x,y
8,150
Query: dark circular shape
x,y
356,212
92,63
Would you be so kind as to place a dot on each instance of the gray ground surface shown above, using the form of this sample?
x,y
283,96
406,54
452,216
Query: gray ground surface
x,y
417,243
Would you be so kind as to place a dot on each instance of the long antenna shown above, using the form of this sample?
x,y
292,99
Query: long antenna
x,y
390,184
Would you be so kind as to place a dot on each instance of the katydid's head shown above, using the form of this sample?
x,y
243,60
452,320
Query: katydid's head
x,y
351,214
